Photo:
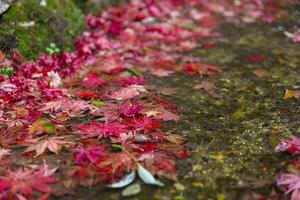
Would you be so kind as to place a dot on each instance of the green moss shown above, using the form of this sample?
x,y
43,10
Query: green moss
x,y
30,27
94,6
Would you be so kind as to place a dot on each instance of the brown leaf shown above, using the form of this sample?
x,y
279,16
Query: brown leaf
x,y
209,87
261,73
176,139
167,91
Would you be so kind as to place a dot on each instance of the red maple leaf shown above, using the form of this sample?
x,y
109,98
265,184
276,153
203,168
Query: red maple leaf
x,y
255,58
89,154
93,81
20,183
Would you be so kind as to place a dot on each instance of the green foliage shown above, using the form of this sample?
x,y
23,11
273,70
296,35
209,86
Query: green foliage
x,y
6,72
31,27
52,49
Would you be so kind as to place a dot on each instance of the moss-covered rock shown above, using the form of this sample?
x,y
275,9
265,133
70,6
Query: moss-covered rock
x,y
31,25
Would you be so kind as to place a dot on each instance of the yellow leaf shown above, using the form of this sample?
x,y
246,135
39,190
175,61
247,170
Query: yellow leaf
x,y
291,93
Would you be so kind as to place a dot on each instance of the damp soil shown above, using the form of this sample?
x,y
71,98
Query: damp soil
x,y
231,139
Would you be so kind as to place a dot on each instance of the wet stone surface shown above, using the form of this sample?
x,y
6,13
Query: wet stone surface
x,y
231,139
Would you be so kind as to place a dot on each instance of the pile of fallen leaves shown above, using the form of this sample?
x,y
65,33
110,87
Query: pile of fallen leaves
x,y
88,116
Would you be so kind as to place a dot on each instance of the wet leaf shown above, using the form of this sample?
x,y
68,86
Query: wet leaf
x,y
49,127
97,102
209,87
134,71
261,73
291,93
126,180
127,92
6,71
131,190
53,144
41,125
146,176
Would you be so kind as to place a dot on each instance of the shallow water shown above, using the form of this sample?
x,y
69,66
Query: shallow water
x,y
231,139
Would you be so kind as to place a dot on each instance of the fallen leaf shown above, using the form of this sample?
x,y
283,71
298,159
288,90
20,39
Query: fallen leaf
x,y
161,72
92,81
128,92
126,180
53,144
255,58
201,69
167,91
261,73
291,93
131,190
209,87
41,125
145,175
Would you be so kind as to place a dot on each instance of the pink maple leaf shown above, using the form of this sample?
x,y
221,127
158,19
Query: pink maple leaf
x,y
291,145
130,110
166,115
127,92
161,72
132,81
91,154
107,129
296,38
20,183
145,124
91,130
290,184
93,81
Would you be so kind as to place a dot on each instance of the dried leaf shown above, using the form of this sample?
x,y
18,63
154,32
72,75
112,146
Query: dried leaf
x,y
209,87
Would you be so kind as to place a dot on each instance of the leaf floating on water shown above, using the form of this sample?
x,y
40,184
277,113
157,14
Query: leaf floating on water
x,y
124,181
131,190
146,176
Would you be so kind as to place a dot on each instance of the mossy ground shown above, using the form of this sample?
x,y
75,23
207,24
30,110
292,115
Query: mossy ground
x,y
232,139
30,27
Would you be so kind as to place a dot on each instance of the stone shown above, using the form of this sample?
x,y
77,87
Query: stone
x,y
4,5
